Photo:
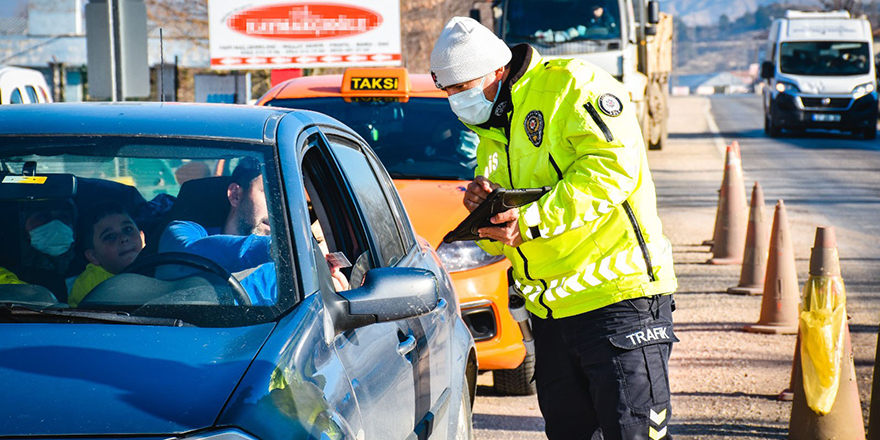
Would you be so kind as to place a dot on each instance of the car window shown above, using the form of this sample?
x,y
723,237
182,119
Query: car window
x,y
417,139
188,230
15,98
371,198
336,223
32,94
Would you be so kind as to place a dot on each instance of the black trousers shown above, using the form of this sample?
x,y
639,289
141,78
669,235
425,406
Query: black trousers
x,y
608,369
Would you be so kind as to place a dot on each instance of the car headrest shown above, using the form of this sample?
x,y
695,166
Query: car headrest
x,y
203,201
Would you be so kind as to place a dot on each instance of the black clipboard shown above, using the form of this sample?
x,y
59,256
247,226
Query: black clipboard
x,y
498,201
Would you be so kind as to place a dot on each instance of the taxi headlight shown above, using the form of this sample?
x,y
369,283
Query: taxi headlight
x,y
225,434
785,87
465,255
862,90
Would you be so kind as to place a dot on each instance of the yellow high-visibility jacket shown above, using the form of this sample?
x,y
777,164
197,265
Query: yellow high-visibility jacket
x,y
595,239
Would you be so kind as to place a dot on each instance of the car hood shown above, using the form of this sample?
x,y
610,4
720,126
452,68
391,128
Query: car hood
x,y
86,379
434,206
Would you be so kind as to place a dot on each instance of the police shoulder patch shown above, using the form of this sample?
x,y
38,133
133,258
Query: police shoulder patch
x,y
534,125
610,104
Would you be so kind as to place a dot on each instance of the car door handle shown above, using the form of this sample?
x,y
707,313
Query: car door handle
x,y
407,345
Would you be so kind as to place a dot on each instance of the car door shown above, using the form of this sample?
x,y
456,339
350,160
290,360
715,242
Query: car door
x,y
396,246
378,359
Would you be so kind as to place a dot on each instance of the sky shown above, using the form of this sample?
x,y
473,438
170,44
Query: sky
x,y
9,8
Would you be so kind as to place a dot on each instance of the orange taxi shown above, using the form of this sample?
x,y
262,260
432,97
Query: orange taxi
x,y
431,156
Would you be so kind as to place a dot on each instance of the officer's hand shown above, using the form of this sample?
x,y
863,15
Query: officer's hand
x,y
477,191
508,230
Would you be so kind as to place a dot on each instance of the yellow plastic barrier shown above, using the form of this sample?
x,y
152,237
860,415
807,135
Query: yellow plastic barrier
x,y
822,321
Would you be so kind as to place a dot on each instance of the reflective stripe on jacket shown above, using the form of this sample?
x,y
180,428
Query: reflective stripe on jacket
x,y
595,239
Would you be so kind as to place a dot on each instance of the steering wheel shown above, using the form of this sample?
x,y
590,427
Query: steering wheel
x,y
190,260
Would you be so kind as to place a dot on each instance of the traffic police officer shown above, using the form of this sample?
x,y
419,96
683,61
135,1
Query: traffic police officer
x,y
589,257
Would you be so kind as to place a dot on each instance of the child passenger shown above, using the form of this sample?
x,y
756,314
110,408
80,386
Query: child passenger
x,y
112,241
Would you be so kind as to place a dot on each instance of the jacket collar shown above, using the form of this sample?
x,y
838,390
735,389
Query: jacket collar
x,y
518,66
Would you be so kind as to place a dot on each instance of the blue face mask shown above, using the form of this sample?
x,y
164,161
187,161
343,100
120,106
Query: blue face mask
x,y
53,238
471,106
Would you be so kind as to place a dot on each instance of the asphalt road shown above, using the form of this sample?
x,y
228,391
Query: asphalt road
x,y
825,178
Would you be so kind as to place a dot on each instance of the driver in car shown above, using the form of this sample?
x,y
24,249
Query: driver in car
x,y
241,246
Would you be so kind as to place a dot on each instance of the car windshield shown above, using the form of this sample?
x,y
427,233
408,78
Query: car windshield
x,y
417,139
561,21
824,58
164,232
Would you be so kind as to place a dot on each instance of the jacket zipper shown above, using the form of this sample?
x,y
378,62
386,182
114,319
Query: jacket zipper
x,y
640,238
518,250
529,277
598,119
556,167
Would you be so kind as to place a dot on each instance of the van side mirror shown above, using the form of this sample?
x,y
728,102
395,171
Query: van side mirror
x,y
767,70
475,14
653,12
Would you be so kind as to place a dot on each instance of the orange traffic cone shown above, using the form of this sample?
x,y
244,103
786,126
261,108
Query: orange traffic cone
x,y
754,266
711,242
779,314
730,221
844,420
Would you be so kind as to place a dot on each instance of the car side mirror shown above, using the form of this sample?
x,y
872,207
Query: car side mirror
x,y
653,12
387,294
767,70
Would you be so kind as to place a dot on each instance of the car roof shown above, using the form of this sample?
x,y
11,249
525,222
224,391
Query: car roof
x,y
324,86
147,119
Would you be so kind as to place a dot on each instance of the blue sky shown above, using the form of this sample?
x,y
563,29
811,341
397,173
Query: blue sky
x,y
11,7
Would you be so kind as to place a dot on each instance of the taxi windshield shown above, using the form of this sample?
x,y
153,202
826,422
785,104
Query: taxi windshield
x,y
417,139
140,232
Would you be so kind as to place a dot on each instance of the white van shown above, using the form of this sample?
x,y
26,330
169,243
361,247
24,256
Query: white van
x,y
820,73
23,86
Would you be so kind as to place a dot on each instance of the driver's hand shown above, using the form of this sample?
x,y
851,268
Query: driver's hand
x,y
477,191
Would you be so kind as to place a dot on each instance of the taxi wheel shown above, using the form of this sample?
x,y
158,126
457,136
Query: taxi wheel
x,y
516,382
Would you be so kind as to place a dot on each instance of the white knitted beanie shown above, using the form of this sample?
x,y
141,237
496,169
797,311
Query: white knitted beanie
x,y
464,51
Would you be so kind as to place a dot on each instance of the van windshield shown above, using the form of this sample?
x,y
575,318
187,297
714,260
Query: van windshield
x,y
825,58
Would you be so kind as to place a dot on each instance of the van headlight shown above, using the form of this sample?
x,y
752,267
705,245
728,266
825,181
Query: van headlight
x,y
465,255
785,87
862,90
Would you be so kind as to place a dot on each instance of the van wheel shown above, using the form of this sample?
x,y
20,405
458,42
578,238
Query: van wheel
x,y
518,381
770,128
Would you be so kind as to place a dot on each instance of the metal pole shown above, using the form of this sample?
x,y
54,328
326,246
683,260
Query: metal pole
x,y
161,68
115,51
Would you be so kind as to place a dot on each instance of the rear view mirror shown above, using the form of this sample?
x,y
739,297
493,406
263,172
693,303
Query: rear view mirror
x,y
37,187
767,69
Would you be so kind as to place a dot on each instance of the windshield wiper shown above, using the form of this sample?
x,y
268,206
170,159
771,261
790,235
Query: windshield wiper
x,y
23,310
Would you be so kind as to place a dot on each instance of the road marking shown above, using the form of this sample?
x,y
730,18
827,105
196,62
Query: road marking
x,y
720,145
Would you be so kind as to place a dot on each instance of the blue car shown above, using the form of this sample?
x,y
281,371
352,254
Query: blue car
x,y
216,272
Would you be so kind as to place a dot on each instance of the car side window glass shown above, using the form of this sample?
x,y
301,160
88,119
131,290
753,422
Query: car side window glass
x,y
379,215
15,98
335,224
32,94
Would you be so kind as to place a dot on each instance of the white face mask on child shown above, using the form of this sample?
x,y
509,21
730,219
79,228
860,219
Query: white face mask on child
x,y
471,106
53,238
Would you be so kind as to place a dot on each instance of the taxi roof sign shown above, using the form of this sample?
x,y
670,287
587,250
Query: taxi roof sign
x,y
376,82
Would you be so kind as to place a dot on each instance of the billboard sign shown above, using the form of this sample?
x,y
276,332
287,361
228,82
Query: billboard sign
x,y
281,34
